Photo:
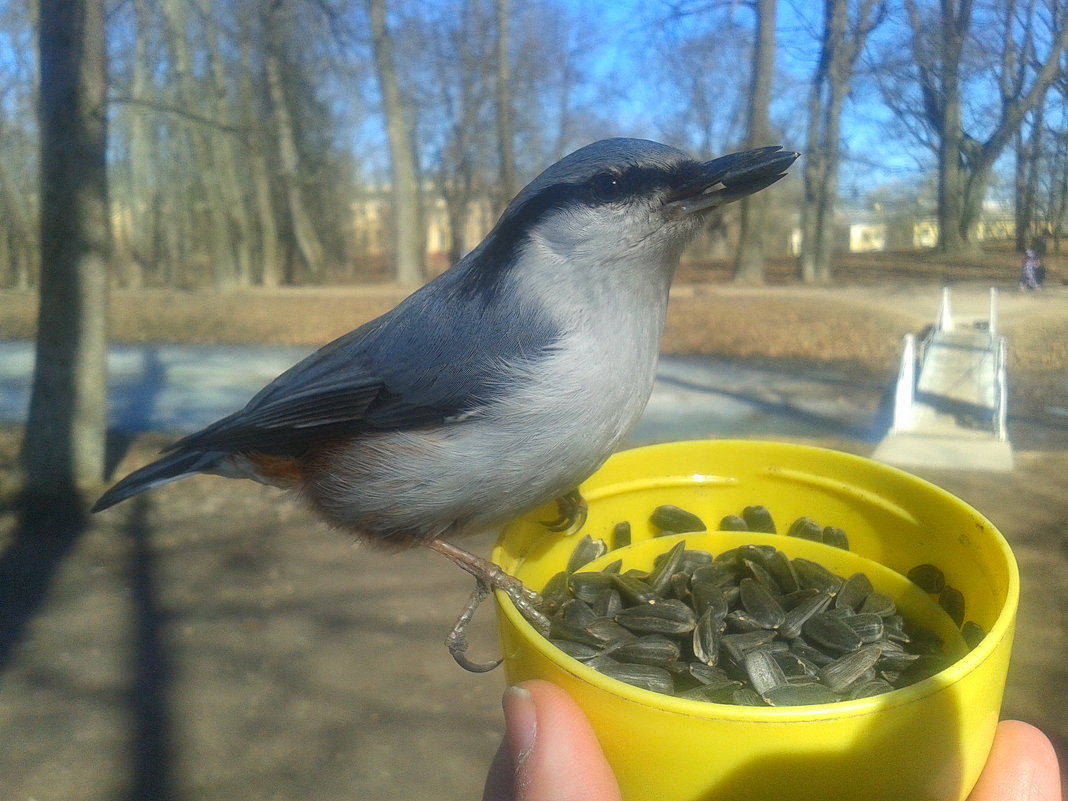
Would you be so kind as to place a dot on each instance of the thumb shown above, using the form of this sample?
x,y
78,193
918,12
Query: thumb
x,y
554,753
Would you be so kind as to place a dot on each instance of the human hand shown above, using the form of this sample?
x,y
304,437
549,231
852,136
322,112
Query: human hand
x,y
550,753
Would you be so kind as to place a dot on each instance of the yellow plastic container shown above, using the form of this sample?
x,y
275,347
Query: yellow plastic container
x,y
926,742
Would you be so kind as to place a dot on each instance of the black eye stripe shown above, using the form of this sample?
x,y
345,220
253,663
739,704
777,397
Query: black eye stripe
x,y
512,230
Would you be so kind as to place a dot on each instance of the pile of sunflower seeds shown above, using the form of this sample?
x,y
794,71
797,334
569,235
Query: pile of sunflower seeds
x,y
750,626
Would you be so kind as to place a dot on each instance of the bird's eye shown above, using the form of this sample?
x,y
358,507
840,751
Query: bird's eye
x,y
607,187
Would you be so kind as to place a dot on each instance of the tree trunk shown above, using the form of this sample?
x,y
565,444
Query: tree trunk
x,y
305,236
505,136
830,86
217,221
270,272
749,266
63,449
964,163
19,230
1028,157
225,155
408,235
139,255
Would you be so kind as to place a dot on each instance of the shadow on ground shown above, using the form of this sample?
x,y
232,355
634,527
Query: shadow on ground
x,y
210,640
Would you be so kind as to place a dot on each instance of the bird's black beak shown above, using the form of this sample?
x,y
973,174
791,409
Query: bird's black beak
x,y
729,178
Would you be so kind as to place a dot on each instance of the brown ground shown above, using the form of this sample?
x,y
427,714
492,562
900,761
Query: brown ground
x,y
211,641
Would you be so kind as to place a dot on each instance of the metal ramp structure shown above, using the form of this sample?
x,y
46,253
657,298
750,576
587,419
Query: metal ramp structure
x,y
950,397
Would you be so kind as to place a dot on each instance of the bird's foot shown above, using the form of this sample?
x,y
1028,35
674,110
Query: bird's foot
x,y
573,510
488,577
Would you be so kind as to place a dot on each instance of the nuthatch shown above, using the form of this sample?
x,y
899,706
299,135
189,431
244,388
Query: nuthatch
x,y
498,386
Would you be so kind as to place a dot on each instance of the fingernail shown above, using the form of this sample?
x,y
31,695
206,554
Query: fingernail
x,y
521,719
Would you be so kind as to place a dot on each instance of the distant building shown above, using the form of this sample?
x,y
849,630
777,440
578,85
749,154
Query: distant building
x,y
863,231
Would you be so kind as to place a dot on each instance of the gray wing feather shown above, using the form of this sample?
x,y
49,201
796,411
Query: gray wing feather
x,y
437,355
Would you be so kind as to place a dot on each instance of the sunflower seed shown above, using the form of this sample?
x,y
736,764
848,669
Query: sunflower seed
x,y
646,677
758,624
577,613
758,518
800,695
763,671
692,560
562,630
621,535
588,586
741,621
896,660
634,590
672,519
706,639
809,652
830,632
763,575
811,574
879,604
782,570
555,594
707,674
669,616
973,633
845,670
854,591
716,573
607,603
708,597
746,696
665,566
760,603
736,646
928,578
717,693
868,626
794,667
650,650
585,552
807,529
866,689
952,600
609,632
835,537
733,523
795,619
576,650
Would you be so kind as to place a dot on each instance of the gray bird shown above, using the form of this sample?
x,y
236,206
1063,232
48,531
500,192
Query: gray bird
x,y
500,385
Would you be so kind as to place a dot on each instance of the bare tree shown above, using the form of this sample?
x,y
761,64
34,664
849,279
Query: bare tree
x,y
304,231
509,183
844,35
1027,62
460,40
1029,160
749,264
408,236
63,448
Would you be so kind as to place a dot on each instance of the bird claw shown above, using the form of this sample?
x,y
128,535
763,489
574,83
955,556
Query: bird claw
x,y
573,510
457,639
488,577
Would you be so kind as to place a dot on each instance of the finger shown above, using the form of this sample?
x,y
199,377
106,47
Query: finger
x,y
1022,766
554,751
500,782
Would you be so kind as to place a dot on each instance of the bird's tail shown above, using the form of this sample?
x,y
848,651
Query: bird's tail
x,y
170,468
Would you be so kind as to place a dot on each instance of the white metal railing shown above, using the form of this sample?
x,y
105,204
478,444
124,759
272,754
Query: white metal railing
x,y
945,314
905,393
992,325
1001,392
